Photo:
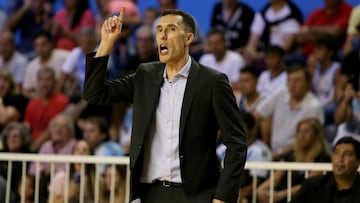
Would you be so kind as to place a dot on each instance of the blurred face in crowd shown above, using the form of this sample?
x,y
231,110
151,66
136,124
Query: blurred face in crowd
x,y
247,84
150,16
29,188
7,46
46,84
173,40
166,4
59,129
305,135
108,177
344,161
43,47
87,43
273,61
82,148
92,134
71,4
38,5
145,43
322,53
331,4
297,84
217,45
229,3
14,140
4,86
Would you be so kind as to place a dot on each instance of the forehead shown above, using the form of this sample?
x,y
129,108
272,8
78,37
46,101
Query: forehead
x,y
297,74
345,147
169,20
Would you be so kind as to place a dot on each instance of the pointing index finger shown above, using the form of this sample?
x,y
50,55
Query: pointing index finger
x,y
121,16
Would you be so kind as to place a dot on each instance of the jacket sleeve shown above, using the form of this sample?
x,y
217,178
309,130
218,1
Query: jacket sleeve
x,y
98,90
234,138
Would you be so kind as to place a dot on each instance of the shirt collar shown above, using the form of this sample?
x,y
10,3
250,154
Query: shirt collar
x,y
184,72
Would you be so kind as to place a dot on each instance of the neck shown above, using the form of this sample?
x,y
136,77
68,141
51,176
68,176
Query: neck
x,y
278,5
230,9
220,57
344,183
59,145
174,67
294,101
8,57
325,64
44,59
275,72
251,98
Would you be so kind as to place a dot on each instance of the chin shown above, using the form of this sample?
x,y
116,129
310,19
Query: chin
x,y
163,59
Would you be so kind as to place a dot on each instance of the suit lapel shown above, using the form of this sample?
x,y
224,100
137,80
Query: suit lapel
x,y
189,93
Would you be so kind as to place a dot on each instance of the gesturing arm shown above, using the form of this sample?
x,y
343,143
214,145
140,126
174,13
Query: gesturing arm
x,y
110,32
96,89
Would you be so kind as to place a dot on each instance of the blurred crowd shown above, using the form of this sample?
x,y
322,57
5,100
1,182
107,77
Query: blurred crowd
x,y
296,80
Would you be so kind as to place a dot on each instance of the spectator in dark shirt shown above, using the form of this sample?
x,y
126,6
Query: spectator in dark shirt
x,y
343,185
234,18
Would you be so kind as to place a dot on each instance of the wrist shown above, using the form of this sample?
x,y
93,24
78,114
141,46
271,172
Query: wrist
x,y
105,48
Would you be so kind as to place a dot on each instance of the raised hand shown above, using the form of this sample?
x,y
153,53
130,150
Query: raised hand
x,y
110,33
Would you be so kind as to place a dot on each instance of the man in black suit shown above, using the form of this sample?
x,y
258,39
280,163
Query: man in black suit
x,y
178,108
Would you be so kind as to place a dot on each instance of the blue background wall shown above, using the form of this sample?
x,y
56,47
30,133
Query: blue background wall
x,y
201,9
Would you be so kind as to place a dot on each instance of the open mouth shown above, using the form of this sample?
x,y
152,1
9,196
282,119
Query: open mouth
x,y
163,49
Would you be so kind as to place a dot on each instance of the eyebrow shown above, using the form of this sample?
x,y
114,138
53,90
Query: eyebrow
x,y
168,25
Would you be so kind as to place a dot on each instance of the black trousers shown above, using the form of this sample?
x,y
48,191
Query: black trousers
x,y
160,192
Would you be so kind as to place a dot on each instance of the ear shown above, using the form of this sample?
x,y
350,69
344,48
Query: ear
x,y
189,38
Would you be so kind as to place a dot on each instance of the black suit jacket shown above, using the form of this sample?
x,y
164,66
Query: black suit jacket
x,y
208,105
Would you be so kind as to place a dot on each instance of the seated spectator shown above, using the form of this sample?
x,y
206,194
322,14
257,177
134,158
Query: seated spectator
x,y
47,56
350,69
249,97
325,73
12,105
221,58
69,21
234,18
58,186
145,49
29,18
343,184
352,40
119,183
257,151
12,60
29,192
43,108
72,74
96,133
15,139
309,146
347,114
331,19
276,24
150,15
287,107
61,130
275,76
